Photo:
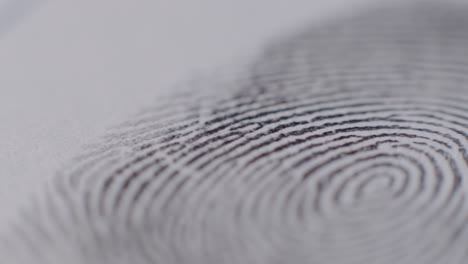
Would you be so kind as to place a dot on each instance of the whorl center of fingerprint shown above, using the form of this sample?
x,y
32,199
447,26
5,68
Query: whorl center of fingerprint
x,y
346,144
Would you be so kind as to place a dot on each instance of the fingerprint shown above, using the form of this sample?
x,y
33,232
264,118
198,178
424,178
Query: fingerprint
x,y
345,143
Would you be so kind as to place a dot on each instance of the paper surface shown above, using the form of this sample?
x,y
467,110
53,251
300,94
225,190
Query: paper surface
x,y
70,69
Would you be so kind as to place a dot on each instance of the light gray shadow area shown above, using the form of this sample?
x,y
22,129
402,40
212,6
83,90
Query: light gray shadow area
x,y
13,11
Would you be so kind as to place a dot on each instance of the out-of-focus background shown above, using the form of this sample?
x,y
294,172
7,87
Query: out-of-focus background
x,y
70,69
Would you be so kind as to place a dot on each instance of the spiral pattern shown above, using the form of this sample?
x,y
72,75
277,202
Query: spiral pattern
x,y
343,144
